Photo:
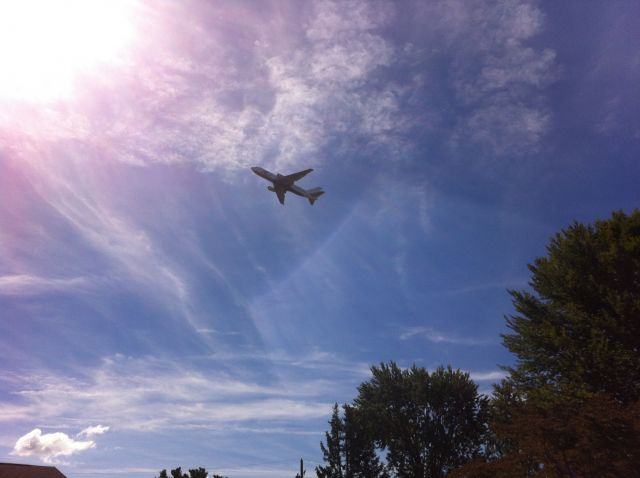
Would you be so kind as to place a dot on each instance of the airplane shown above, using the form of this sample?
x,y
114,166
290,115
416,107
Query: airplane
x,y
282,184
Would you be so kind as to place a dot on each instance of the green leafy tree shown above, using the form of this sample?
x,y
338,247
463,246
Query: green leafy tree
x,y
570,407
579,327
428,423
577,339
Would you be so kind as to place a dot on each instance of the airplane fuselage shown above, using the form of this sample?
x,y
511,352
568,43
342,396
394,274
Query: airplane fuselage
x,y
279,180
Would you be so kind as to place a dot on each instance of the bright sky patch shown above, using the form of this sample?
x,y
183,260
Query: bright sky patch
x,y
46,44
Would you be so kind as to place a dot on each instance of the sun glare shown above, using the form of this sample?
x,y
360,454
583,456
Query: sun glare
x,y
46,44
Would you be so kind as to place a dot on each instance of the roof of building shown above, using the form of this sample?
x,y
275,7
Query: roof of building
x,y
15,470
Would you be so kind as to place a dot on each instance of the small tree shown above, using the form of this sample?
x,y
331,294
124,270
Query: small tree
x,y
350,450
333,450
198,473
193,473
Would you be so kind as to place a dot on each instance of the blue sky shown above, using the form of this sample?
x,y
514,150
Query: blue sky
x,y
159,307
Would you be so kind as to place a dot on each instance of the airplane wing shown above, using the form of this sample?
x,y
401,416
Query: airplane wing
x,y
299,175
280,193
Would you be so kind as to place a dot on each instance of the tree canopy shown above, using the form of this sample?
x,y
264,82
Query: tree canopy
x,y
193,473
427,424
579,327
570,406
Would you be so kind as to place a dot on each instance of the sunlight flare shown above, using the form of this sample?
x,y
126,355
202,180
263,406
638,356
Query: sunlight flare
x,y
46,44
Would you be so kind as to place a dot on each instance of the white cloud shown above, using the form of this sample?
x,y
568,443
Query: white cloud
x,y
308,78
336,19
11,412
505,128
317,361
26,284
152,394
517,65
49,446
95,430
497,76
323,91
277,105
432,335
492,376
271,409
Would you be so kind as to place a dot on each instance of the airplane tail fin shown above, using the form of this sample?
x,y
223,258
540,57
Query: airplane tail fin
x,y
313,194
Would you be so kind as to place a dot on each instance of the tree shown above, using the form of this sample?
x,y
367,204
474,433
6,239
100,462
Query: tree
x,y
193,473
570,407
360,456
429,424
177,473
580,327
350,450
564,436
198,473
333,451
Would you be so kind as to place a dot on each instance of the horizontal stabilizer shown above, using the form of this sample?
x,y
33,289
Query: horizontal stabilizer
x,y
313,194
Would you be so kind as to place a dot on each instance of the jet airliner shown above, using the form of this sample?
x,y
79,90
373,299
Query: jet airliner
x,y
282,184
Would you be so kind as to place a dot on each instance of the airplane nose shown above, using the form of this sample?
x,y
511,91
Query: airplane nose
x,y
254,169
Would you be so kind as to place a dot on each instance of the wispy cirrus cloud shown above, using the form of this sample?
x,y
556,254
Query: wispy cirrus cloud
x,y
26,284
431,334
10,412
112,245
224,105
498,78
215,104
94,430
318,361
156,394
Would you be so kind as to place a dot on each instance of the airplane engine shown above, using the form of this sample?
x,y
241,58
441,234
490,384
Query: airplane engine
x,y
270,188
